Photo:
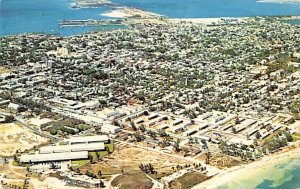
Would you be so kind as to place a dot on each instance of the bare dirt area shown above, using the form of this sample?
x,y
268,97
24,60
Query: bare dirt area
x,y
125,160
14,137
12,176
296,126
223,161
134,181
188,180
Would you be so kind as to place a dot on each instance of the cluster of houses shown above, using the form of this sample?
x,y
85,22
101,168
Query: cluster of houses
x,y
217,68
211,127
196,84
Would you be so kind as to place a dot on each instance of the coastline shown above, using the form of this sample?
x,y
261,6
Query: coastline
x,y
129,12
251,170
116,13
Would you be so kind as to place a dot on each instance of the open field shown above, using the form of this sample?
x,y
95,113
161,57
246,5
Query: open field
x,y
14,137
188,180
136,180
127,160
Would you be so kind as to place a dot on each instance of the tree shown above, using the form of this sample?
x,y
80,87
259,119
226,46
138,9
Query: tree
x,y
234,131
288,135
99,174
207,157
147,168
133,126
90,157
142,128
101,184
176,146
52,166
53,131
257,135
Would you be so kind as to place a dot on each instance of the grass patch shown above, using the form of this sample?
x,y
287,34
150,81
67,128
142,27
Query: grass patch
x,y
61,143
100,153
272,136
83,127
94,155
296,136
80,163
110,146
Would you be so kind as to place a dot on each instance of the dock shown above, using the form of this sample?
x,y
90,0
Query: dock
x,y
83,23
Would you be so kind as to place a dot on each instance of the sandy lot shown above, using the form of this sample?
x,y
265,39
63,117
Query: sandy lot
x,y
129,159
14,137
38,122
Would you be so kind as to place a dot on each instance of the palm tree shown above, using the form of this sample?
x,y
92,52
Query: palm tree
x,y
99,174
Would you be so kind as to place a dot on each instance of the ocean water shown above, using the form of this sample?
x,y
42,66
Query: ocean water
x,y
213,8
293,22
21,16
283,175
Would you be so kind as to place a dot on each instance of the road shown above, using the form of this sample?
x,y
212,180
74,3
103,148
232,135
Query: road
x,y
36,131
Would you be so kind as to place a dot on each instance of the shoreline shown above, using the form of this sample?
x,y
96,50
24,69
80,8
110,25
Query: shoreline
x,y
242,172
129,12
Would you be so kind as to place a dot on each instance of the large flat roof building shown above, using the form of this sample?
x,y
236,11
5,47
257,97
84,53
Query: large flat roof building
x,y
72,148
36,158
87,139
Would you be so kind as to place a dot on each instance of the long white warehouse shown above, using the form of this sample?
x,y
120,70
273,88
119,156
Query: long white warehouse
x,y
72,148
87,139
35,158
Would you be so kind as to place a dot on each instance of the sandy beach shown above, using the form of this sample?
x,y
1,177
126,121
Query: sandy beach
x,y
244,172
126,12
117,13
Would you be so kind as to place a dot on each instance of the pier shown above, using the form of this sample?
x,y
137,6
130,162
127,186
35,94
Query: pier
x,y
82,23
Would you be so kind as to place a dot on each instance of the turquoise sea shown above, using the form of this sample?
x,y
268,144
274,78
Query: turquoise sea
x,y
283,175
20,16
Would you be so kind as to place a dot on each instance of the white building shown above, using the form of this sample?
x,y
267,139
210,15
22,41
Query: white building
x,y
87,139
35,158
110,129
72,148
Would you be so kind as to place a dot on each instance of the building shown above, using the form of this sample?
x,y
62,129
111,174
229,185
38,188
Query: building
x,y
15,107
77,148
72,148
88,139
81,180
110,129
39,158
